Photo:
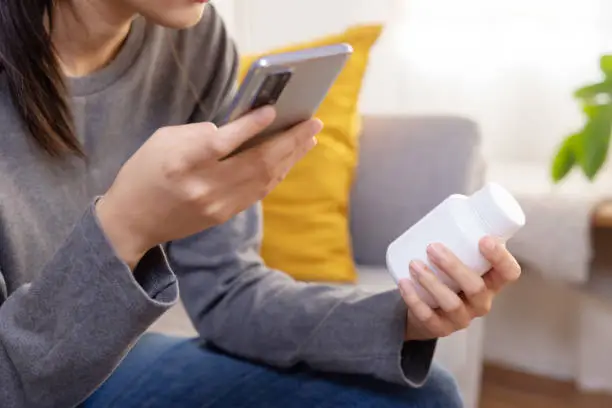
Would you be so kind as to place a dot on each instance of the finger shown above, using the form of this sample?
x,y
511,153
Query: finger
x,y
505,269
288,143
422,312
289,162
481,306
244,184
275,155
452,305
236,133
280,146
273,167
472,285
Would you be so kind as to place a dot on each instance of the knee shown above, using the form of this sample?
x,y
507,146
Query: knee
x,y
441,389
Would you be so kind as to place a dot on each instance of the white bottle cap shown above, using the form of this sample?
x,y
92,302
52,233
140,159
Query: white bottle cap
x,y
499,210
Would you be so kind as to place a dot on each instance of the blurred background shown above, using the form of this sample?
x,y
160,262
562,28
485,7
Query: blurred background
x,y
510,67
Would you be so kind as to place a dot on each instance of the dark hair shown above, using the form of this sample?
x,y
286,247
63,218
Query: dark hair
x,y
36,84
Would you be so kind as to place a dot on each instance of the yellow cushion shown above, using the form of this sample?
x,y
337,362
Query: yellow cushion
x,y
306,231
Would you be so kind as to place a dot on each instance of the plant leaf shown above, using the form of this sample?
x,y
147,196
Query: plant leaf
x,y
594,90
590,110
591,148
565,159
605,64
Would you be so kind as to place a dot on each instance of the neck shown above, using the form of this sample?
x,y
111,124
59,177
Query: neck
x,y
88,34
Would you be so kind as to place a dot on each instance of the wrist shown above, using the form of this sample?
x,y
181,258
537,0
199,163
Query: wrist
x,y
414,332
129,245
411,336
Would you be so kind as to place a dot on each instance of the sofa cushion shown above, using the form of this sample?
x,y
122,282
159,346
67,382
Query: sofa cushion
x,y
306,232
376,278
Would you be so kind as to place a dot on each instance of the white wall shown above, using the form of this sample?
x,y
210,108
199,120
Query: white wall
x,y
227,9
511,65
264,24
259,25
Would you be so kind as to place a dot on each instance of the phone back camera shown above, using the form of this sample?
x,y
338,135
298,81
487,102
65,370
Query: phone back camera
x,y
271,89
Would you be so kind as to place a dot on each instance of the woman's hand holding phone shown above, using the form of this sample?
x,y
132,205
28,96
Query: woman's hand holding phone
x,y
177,183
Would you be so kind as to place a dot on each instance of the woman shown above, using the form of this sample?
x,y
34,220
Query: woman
x,y
106,98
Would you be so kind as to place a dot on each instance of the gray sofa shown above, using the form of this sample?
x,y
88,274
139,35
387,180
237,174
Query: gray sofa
x,y
407,166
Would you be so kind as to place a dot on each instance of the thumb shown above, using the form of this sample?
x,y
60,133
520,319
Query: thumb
x,y
234,134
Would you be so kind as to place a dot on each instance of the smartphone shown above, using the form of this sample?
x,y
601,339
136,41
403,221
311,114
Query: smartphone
x,y
294,82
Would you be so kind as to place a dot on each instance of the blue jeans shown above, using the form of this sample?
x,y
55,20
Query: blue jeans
x,y
168,372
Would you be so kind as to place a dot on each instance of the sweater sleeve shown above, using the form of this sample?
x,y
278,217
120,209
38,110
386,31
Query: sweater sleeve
x,y
239,304
248,309
64,333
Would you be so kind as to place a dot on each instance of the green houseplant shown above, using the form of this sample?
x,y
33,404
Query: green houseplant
x,y
588,148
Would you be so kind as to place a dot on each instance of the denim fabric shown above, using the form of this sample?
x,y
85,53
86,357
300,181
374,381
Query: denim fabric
x,y
163,372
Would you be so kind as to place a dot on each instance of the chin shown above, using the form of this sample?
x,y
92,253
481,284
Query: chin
x,y
180,18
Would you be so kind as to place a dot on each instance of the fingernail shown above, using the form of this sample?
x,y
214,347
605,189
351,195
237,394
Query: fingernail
x,y
315,141
316,126
436,250
404,287
488,244
417,269
310,144
265,114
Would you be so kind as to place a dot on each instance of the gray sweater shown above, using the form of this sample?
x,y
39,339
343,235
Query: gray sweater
x,y
70,309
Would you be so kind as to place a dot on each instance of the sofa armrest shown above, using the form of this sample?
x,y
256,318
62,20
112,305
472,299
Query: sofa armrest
x,y
407,166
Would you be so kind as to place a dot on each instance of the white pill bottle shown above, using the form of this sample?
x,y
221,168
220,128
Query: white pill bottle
x,y
459,223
